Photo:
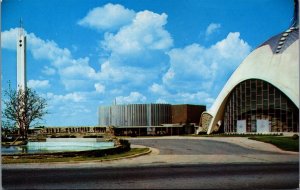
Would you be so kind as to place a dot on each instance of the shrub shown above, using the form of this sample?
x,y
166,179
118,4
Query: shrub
x,y
295,137
93,136
125,143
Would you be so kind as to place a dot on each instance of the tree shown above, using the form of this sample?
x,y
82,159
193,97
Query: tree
x,y
23,107
7,128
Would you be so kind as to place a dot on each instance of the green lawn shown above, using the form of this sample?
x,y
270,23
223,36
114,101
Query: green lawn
x,y
132,152
284,143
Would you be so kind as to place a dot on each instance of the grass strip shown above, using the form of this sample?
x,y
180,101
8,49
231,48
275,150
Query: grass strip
x,y
133,151
284,143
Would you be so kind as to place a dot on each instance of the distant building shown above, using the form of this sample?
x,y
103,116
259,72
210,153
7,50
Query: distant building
x,y
187,113
150,119
188,116
68,130
135,115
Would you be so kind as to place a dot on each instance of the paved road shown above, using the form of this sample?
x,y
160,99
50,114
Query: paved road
x,y
208,176
196,147
174,163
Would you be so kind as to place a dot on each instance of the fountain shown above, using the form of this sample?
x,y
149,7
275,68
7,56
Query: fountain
x,y
54,145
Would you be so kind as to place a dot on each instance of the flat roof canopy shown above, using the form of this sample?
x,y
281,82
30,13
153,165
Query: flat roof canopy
x,y
129,127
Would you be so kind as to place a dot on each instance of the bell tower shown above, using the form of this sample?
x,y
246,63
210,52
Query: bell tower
x,y
21,59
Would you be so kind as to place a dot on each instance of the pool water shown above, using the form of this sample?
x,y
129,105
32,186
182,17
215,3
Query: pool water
x,y
57,145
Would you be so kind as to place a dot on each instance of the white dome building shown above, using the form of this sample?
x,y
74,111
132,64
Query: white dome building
x,y
262,95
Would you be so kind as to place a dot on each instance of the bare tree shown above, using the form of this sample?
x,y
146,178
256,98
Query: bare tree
x,y
23,107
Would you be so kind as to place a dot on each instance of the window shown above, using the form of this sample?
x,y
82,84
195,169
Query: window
x,y
253,99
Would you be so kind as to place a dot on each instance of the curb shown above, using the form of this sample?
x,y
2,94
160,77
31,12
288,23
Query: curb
x,y
130,156
89,161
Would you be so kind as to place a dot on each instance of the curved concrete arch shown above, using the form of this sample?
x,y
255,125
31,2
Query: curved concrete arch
x,y
279,69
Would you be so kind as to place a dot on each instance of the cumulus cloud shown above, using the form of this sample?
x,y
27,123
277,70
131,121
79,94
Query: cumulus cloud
x,y
108,17
124,74
48,70
100,88
158,89
39,48
73,72
38,84
200,96
137,51
134,97
146,32
79,67
199,72
232,47
73,97
194,66
70,108
190,61
9,38
212,27
77,74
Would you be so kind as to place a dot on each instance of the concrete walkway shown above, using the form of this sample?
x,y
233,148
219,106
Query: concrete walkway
x,y
154,158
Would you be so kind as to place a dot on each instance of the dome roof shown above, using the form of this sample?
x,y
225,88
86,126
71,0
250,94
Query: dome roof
x,y
282,41
275,61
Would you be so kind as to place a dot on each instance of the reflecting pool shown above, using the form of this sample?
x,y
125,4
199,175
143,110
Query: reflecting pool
x,y
58,145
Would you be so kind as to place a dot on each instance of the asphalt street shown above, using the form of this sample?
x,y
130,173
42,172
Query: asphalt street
x,y
196,147
174,163
208,176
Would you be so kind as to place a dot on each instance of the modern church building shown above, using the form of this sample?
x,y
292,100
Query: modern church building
x,y
262,95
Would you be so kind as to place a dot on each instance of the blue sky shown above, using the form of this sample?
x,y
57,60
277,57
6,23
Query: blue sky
x,y
85,53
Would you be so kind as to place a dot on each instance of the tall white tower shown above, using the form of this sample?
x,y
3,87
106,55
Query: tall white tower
x,y
21,59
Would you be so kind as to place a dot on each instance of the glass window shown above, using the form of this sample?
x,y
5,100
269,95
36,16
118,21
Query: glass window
x,y
254,99
259,99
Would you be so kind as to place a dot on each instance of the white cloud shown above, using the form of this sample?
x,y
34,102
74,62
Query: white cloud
x,y
77,74
158,89
213,27
9,38
38,84
70,109
170,74
187,63
136,52
59,99
110,16
48,70
80,84
194,66
134,97
199,96
79,67
73,72
196,73
99,88
131,76
232,47
145,33
39,48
